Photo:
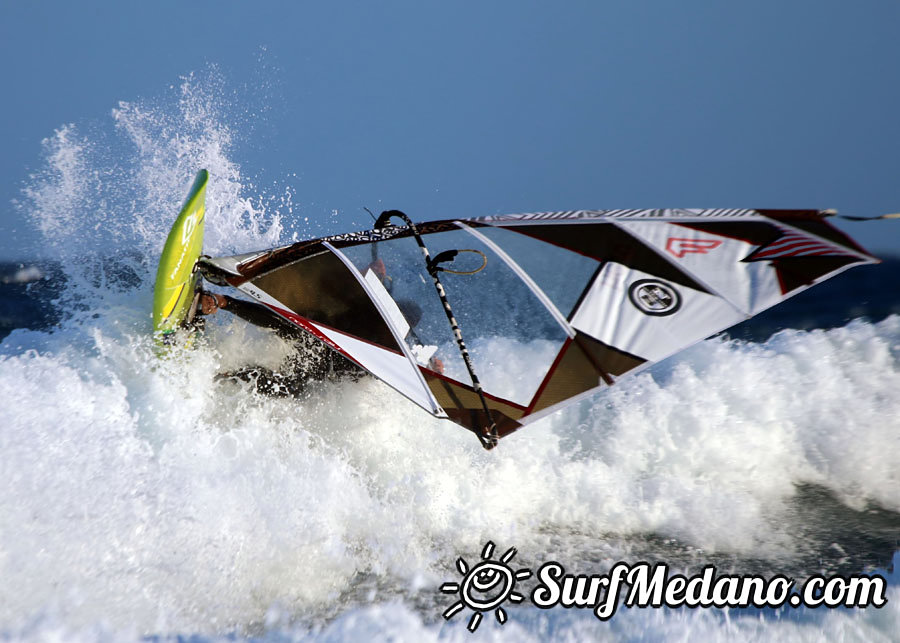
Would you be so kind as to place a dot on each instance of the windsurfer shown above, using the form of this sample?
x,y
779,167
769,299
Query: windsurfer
x,y
308,363
311,362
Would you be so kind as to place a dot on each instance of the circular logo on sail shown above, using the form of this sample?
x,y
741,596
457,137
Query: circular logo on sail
x,y
654,297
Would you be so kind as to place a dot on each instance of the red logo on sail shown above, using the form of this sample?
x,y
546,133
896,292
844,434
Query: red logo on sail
x,y
679,247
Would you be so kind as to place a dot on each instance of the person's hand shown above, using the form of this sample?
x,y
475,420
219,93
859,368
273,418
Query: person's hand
x,y
436,365
211,302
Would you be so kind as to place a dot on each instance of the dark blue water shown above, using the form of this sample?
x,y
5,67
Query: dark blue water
x,y
27,294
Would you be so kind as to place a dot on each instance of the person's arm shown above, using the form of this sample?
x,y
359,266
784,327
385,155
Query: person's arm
x,y
249,311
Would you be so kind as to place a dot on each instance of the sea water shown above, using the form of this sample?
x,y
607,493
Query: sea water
x,y
144,497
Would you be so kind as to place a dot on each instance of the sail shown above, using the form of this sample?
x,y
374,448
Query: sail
x,y
553,306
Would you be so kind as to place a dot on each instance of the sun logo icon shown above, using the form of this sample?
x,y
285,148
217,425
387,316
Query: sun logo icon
x,y
485,586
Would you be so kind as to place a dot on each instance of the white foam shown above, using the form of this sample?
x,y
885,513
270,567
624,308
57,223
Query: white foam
x,y
23,275
395,621
142,493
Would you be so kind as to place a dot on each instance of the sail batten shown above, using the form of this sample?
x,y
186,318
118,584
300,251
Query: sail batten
x,y
424,392
526,279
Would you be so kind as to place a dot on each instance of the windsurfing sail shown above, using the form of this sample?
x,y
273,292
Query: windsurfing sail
x,y
563,303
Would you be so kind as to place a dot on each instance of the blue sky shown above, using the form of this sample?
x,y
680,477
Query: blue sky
x,y
465,108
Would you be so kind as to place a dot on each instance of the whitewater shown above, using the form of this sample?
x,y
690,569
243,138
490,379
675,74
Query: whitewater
x,y
143,497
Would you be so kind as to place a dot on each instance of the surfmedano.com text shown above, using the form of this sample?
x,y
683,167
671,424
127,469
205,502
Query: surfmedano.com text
x,y
643,585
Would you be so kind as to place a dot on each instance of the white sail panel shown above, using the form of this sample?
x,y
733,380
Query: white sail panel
x,y
715,261
649,317
390,367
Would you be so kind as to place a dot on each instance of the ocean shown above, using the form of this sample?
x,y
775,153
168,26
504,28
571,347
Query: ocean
x,y
145,499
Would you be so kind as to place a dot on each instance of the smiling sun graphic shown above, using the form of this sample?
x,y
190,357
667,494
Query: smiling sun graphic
x,y
485,586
